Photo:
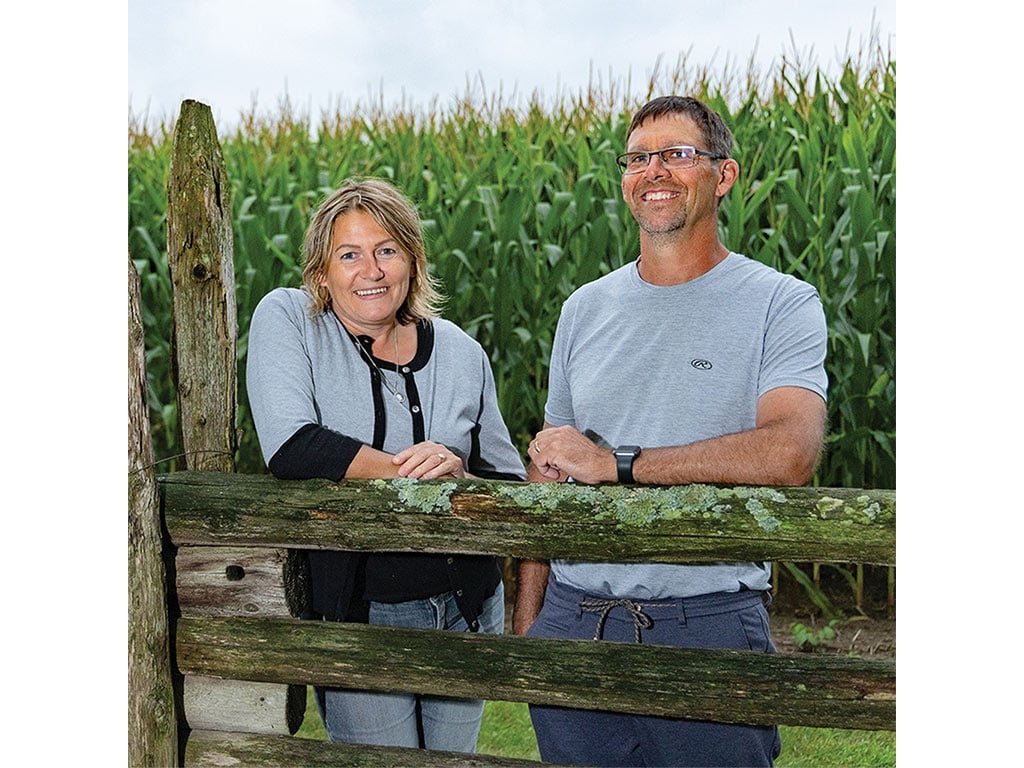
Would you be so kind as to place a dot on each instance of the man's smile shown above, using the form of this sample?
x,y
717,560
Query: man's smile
x,y
658,194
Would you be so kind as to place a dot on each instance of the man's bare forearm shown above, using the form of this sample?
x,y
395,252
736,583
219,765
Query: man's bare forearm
x,y
783,449
531,578
531,583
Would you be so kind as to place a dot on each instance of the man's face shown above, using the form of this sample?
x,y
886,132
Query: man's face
x,y
664,200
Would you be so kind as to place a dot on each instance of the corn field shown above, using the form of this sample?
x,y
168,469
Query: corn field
x,y
521,205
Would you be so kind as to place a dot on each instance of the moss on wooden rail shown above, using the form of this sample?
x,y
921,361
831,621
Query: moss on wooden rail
x,y
215,749
728,686
690,523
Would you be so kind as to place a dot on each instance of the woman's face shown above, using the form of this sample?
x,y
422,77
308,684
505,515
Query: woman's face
x,y
367,274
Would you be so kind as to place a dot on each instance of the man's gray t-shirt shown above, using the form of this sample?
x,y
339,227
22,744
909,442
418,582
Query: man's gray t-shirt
x,y
638,364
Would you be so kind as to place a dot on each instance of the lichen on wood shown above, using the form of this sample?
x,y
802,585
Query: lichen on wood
x,y
614,523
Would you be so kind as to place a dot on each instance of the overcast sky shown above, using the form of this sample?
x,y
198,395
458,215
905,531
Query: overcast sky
x,y
322,54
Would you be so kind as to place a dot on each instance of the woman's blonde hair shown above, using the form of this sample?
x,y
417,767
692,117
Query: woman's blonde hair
x,y
397,216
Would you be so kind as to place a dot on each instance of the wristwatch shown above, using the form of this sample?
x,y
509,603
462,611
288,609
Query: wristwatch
x,y
625,455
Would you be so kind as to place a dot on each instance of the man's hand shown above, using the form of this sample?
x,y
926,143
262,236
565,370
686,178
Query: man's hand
x,y
562,452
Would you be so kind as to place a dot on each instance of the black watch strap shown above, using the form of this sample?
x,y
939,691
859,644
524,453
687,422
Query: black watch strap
x,y
625,455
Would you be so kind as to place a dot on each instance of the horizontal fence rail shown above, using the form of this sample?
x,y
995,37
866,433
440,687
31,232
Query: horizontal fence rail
x,y
216,749
727,686
614,523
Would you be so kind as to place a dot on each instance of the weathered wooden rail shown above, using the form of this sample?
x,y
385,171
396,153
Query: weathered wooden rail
x,y
210,513
219,660
693,523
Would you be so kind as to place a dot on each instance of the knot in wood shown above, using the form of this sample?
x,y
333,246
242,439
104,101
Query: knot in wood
x,y
234,573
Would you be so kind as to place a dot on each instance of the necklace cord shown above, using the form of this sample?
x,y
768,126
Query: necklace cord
x,y
369,358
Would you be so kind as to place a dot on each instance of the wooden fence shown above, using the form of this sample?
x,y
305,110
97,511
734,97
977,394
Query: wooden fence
x,y
219,661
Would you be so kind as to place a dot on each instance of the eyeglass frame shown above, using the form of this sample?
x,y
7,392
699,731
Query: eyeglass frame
x,y
620,159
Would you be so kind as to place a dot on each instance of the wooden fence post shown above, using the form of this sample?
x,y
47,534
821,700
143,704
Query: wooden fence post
x,y
200,254
152,721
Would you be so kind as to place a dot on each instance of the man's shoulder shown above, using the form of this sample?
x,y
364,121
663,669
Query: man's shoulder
x,y
612,282
743,267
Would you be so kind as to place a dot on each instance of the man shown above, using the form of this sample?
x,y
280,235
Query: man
x,y
692,364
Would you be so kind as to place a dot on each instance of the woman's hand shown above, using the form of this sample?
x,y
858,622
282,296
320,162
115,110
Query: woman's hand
x,y
428,461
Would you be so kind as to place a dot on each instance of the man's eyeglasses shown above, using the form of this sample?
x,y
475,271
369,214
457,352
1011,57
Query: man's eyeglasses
x,y
671,157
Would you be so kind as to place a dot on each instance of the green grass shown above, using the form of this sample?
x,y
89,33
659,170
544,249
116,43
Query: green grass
x,y
507,732
833,747
312,726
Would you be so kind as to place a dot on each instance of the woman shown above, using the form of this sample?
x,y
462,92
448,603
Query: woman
x,y
356,376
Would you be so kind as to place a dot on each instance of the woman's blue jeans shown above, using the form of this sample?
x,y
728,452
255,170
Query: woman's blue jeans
x,y
397,719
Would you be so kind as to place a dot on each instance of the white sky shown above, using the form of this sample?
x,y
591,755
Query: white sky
x,y
321,54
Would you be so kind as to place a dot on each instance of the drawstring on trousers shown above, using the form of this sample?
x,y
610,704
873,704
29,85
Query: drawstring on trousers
x,y
640,619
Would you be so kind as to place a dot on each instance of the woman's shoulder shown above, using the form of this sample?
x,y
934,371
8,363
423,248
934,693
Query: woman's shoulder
x,y
444,328
289,300
451,335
